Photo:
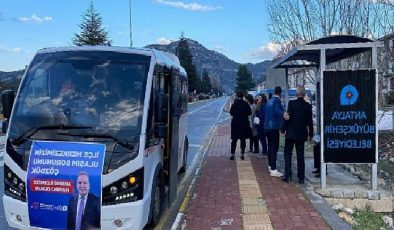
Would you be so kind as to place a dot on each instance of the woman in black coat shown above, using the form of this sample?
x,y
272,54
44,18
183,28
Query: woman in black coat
x,y
240,111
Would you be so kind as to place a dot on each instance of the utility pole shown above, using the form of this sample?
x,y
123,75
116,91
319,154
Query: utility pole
x,y
131,35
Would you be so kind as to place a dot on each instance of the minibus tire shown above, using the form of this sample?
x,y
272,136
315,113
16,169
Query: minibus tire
x,y
155,206
185,152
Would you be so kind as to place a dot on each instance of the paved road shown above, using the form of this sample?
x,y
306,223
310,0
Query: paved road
x,y
202,118
203,115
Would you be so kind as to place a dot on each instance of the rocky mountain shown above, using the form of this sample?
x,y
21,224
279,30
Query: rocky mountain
x,y
11,76
216,63
10,80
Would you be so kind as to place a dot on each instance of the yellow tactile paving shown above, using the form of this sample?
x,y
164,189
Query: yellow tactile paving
x,y
258,227
250,219
246,169
246,177
250,194
248,182
254,210
252,201
249,187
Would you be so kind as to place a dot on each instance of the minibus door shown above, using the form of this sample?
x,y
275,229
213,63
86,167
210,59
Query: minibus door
x,y
174,133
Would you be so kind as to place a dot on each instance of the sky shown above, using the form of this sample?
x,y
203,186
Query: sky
x,y
235,28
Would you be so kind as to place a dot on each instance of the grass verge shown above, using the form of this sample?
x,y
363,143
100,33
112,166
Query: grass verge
x,y
366,219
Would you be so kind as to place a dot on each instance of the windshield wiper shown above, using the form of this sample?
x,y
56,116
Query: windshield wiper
x,y
29,133
96,135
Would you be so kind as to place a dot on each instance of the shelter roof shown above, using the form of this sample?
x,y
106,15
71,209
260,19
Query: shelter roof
x,y
337,47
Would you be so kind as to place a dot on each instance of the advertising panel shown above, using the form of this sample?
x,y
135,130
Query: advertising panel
x,y
349,116
64,185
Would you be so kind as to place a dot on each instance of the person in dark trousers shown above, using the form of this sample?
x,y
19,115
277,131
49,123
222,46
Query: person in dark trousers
x,y
253,138
272,123
240,112
297,129
262,102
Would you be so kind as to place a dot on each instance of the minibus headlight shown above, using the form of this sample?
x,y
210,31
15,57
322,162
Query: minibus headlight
x,y
21,186
127,189
114,190
13,185
124,185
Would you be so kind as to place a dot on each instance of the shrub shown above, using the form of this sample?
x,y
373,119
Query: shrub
x,y
390,97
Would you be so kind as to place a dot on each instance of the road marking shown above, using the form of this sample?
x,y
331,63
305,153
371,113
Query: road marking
x,y
224,119
222,109
177,221
194,145
191,112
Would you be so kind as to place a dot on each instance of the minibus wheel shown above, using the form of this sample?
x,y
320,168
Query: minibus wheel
x,y
185,151
155,207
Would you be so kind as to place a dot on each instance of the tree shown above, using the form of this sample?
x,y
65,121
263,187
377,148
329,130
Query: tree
x,y
206,84
217,87
295,22
186,61
244,80
92,32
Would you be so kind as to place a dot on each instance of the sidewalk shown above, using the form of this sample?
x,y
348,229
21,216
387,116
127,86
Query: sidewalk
x,y
241,194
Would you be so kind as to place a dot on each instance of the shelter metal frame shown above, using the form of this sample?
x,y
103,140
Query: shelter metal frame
x,y
324,51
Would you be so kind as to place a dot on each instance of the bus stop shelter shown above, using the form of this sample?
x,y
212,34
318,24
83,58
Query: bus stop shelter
x,y
320,54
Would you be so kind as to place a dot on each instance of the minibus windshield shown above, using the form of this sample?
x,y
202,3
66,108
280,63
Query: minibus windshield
x,y
101,91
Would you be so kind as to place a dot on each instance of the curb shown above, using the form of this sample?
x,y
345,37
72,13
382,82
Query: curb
x,y
182,210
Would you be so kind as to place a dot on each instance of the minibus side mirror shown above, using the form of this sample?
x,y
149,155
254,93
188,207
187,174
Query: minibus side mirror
x,y
7,97
161,108
4,126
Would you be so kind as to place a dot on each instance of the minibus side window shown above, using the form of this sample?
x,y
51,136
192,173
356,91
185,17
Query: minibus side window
x,y
157,86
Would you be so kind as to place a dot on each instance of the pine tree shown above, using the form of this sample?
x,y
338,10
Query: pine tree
x,y
206,84
186,60
92,33
217,87
244,80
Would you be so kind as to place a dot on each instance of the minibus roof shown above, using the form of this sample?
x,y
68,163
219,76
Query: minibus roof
x,y
163,58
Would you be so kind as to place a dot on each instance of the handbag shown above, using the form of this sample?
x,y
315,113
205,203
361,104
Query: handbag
x,y
256,120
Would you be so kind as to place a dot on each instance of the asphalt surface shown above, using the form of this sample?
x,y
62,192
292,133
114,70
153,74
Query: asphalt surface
x,y
203,116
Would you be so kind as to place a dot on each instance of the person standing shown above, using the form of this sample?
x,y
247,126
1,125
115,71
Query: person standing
x,y
298,128
272,123
262,102
253,138
240,112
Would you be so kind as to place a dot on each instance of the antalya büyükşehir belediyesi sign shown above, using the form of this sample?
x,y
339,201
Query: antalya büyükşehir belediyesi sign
x,y
349,116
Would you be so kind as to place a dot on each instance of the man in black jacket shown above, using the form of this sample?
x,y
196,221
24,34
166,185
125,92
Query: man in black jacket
x,y
84,208
297,129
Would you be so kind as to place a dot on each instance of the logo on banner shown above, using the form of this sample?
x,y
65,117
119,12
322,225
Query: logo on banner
x,y
349,95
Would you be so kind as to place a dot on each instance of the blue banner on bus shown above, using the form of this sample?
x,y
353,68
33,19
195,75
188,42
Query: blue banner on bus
x,y
64,185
